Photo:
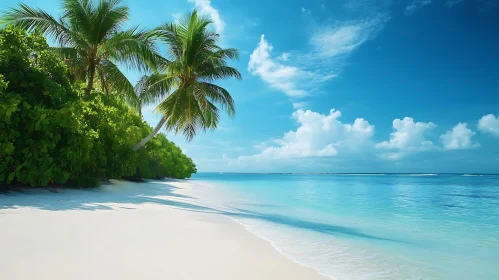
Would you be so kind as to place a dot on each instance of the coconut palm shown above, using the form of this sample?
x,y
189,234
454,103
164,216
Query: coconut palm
x,y
91,40
184,86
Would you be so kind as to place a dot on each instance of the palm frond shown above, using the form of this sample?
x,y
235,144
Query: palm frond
x,y
186,114
169,33
78,14
155,87
32,19
116,81
189,99
109,16
219,96
135,48
66,53
220,73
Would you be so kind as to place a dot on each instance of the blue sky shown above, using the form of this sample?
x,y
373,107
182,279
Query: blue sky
x,y
348,86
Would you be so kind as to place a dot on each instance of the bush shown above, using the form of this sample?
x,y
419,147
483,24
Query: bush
x,y
52,132
116,128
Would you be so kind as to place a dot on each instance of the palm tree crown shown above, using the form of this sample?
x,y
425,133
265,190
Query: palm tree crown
x,y
184,86
91,41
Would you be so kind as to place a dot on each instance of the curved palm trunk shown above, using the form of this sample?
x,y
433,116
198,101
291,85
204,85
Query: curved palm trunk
x,y
148,137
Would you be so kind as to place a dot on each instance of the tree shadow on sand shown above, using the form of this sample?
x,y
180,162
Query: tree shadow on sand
x,y
129,195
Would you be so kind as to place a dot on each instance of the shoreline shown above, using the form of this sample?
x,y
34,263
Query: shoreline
x,y
131,230
277,249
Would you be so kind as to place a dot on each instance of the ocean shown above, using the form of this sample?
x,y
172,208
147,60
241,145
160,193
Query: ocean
x,y
370,226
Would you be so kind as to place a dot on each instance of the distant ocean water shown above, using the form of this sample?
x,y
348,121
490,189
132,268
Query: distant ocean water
x,y
371,226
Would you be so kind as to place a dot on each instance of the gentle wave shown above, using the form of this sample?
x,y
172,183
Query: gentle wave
x,y
250,230
332,257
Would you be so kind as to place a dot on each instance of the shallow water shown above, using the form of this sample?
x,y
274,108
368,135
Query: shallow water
x,y
358,226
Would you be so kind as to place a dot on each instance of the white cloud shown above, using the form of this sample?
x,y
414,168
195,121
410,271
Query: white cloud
x,y
260,146
489,124
284,56
305,11
415,5
317,135
204,7
299,105
324,138
330,45
345,37
459,138
407,136
277,75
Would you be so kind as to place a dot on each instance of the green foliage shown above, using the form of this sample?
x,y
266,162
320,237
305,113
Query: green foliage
x,y
115,128
189,99
52,133
91,41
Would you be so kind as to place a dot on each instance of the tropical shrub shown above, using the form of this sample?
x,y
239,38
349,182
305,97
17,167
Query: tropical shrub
x,y
40,137
52,133
118,127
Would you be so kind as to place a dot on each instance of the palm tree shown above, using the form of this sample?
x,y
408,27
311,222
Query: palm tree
x,y
184,85
91,41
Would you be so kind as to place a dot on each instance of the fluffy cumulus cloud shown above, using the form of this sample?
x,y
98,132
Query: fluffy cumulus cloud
x,y
330,45
204,7
317,135
408,136
279,76
489,124
459,138
324,138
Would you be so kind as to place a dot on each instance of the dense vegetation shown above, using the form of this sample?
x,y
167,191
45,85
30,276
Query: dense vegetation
x,y
91,41
68,115
56,132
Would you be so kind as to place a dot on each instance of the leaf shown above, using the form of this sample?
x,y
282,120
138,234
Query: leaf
x,y
11,177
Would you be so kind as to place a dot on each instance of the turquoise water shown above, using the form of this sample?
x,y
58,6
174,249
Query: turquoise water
x,y
420,226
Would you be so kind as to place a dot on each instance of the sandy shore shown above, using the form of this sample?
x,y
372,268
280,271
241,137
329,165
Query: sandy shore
x,y
155,230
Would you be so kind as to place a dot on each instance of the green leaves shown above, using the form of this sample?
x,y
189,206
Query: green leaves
x,y
11,177
91,41
189,101
52,133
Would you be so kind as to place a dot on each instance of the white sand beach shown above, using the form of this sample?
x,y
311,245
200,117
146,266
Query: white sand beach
x,y
153,230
